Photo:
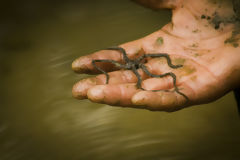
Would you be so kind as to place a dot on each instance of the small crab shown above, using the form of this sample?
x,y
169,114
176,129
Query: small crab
x,y
138,63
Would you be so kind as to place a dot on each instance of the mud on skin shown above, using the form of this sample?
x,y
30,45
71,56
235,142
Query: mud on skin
x,y
216,20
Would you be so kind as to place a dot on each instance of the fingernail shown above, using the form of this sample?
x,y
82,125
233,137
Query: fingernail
x,y
80,64
79,90
96,93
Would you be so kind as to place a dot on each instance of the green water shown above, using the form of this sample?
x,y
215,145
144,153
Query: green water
x,y
39,120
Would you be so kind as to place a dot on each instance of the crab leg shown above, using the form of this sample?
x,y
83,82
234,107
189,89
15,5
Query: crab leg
x,y
165,56
106,60
125,57
144,68
138,77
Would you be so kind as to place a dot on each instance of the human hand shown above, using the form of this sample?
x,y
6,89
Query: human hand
x,y
202,37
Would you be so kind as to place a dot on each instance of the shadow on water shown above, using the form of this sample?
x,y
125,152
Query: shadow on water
x,y
39,119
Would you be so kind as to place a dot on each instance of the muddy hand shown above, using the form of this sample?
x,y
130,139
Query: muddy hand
x,y
202,37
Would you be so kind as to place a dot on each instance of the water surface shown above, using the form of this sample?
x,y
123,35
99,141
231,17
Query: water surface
x,y
39,119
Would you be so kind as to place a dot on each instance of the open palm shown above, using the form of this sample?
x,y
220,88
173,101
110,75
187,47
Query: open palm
x,y
202,37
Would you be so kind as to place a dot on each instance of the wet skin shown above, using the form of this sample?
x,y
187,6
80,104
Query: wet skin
x,y
203,37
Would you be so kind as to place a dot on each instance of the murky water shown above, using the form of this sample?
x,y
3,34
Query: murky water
x,y
39,120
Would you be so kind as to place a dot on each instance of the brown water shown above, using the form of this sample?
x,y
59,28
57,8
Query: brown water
x,y
39,120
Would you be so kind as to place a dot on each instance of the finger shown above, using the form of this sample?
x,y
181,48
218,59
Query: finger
x,y
156,66
84,64
117,95
161,76
157,4
163,101
165,83
80,89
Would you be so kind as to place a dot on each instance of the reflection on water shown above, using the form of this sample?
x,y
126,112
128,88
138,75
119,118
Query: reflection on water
x,y
40,120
